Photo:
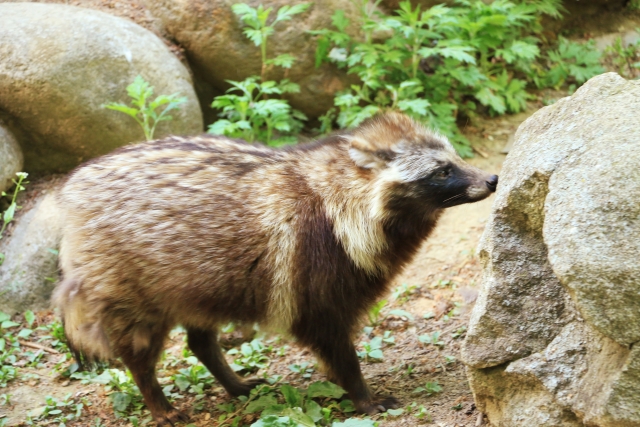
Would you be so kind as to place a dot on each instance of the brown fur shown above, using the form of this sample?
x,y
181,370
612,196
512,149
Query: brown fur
x,y
206,230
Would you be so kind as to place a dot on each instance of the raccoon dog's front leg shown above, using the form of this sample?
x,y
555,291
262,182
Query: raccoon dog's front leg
x,y
204,344
339,355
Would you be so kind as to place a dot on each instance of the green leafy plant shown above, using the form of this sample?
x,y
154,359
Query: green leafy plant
x,y
439,63
250,116
286,405
122,390
431,339
372,350
257,30
248,110
304,369
429,388
375,311
404,292
143,110
8,215
626,58
195,378
251,356
434,63
60,410
570,63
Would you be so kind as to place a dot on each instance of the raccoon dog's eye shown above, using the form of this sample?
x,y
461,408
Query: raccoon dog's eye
x,y
443,173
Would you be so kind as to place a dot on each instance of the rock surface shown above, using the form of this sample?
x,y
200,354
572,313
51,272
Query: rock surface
x,y
60,64
212,37
551,339
10,157
29,271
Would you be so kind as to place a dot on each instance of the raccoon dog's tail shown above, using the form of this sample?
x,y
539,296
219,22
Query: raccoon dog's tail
x,y
83,327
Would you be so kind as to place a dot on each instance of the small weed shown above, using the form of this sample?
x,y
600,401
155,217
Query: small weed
x,y
429,388
59,411
375,311
372,349
404,292
251,356
626,58
460,332
248,114
420,412
122,390
194,378
304,369
144,111
8,215
449,360
431,339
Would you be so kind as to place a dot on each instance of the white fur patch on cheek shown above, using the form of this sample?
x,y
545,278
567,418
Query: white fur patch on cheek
x,y
475,191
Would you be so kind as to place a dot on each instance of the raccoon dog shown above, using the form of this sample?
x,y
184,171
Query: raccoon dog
x,y
206,230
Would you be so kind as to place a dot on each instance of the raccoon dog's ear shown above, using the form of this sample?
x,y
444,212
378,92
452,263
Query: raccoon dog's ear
x,y
364,156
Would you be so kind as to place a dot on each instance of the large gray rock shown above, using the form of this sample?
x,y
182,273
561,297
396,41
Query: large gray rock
x,y
218,50
551,339
10,157
29,271
59,64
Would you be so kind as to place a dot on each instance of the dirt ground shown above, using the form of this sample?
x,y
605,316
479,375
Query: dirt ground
x,y
441,286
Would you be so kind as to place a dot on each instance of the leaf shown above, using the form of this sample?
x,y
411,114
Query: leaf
x,y
291,395
314,411
261,403
29,317
395,412
488,98
401,313
299,417
182,382
325,389
8,324
461,53
286,12
524,50
417,106
339,20
354,422
274,421
4,316
120,401
347,406
8,214
284,61
24,333
133,112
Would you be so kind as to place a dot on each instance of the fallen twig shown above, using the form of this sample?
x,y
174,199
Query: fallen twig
x,y
39,347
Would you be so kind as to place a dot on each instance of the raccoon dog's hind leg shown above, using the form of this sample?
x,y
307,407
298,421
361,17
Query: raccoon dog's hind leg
x,y
204,344
141,361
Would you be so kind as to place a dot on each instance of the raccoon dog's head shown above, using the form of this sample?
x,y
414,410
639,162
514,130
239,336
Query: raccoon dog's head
x,y
416,165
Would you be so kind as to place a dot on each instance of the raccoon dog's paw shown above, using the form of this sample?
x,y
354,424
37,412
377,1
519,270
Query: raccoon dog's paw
x,y
377,404
244,387
170,418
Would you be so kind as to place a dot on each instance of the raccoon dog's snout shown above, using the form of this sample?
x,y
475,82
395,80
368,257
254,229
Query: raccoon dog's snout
x,y
492,183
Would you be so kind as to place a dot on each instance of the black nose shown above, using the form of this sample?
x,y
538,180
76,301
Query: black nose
x,y
492,183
